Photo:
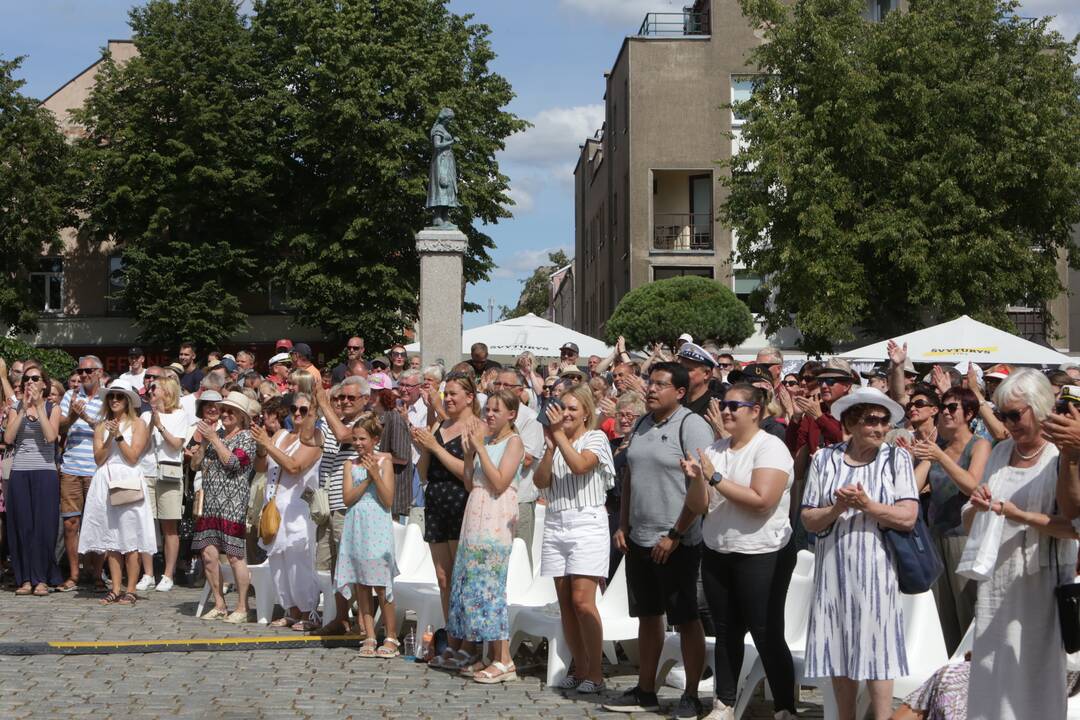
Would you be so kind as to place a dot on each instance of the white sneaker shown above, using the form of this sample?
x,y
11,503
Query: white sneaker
x,y
720,711
784,715
147,583
165,584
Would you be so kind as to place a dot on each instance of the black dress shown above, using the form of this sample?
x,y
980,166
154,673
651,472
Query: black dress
x,y
444,497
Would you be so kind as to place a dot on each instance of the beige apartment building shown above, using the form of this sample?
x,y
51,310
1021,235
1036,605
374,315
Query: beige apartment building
x,y
74,290
646,188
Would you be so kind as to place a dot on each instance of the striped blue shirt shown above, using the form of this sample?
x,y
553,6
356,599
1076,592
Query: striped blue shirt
x,y
79,450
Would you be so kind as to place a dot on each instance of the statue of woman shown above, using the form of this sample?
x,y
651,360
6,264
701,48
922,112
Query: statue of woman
x,y
442,186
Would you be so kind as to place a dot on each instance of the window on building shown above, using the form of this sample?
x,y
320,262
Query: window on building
x,y
277,296
876,10
47,285
116,283
744,283
664,272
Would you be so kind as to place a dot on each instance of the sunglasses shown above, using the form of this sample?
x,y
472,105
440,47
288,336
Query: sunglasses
x,y
950,407
148,376
920,404
353,347
876,420
350,398
567,353
1010,416
86,371
790,383
397,353
302,409
733,405
408,386
829,382
32,378
724,366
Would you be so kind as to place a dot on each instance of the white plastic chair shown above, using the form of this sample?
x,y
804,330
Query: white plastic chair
x,y
412,553
261,583
399,537
545,623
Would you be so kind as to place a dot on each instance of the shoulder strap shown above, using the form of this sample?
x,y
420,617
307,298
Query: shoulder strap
x,y
682,445
633,432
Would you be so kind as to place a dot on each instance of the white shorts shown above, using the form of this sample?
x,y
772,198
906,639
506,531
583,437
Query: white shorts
x,y
576,542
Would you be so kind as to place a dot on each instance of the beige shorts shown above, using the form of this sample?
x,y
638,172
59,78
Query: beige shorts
x,y
166,498
327,539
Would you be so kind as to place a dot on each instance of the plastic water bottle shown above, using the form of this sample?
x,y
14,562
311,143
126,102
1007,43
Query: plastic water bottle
x,y
410,647
426,643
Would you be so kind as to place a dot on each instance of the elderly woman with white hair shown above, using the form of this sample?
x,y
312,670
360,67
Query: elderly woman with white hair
x,y
1017,657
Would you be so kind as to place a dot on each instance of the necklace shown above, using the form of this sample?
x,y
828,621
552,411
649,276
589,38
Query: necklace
x,y
1033,455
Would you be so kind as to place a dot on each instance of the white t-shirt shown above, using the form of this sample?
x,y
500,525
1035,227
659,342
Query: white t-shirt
x,y
731,528
134,380
157,449
532,435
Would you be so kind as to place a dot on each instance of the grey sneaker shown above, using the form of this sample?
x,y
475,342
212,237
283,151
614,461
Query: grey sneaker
x,y
689,707
635,700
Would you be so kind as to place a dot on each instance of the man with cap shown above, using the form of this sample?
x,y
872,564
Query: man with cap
x,y
136,368
812,426
283,345
568,354
354,348
877,378
279,371
302,357
699,365
478,359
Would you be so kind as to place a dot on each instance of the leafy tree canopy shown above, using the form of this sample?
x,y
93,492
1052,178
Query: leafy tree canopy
x,y
356,87
57,363
904,172
660,311
536,291
35,167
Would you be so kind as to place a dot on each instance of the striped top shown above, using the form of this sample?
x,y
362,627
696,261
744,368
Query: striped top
x,y
570,491
331,463
32,451
79,450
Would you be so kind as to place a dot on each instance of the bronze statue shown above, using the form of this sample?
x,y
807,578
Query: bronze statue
x,y
442,184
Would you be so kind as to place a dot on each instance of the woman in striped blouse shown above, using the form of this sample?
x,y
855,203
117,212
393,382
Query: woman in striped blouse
x,y
574,475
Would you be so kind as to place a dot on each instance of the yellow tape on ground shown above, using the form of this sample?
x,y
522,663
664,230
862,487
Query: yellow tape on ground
x,y
208,641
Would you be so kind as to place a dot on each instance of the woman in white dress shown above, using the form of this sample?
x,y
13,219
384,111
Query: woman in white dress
x,y
1017,657
126,529
855,488
293,467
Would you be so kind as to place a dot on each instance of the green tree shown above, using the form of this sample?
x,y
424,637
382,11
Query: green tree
x,y
904,172
57,363
660,311
536,289
178,170
357,86
34,202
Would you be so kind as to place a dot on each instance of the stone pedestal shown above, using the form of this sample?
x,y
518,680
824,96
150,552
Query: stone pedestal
x,y
441,253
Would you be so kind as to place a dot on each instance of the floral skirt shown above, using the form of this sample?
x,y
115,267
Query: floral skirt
x,y
478,589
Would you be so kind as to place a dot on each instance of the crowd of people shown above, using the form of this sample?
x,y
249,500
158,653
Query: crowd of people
x,y
703,475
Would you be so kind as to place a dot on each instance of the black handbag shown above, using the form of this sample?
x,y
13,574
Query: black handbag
x,y
917,563
1068,604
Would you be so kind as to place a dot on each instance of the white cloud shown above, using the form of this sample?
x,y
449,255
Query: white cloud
x,y
522,263
555,135
620,12
1066,12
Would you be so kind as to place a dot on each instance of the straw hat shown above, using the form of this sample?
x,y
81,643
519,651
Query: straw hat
x,y
238,401
119,387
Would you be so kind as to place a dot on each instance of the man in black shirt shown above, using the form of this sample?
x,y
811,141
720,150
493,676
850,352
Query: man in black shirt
x,y
699,364
192,375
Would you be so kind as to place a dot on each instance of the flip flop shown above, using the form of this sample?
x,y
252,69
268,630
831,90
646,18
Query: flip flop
x,y
68,585
41,591
23,592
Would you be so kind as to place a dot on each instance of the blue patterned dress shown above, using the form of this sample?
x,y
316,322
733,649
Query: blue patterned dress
x,y
478,589
366,553
856,627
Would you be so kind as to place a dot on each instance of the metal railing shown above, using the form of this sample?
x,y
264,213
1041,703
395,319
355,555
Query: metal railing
x,y
682,232
674,24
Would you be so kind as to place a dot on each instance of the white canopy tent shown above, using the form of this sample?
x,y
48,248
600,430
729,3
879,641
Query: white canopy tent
x,y
510,338
964,339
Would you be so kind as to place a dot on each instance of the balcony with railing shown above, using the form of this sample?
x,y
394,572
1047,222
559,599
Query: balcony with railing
x,y
682,232
674,24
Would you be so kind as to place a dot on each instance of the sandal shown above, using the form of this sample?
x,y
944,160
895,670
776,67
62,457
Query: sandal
x,y
128,598
109,599
284,622
568,683
386,651
463,661
443,661
367,648
41,590
313,622
472,668
68,586
24,590
496,673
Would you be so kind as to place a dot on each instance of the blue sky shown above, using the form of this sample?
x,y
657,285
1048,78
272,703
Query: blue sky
x,y
554,52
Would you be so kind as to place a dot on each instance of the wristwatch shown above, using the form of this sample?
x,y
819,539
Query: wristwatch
x,y
715,479
674,534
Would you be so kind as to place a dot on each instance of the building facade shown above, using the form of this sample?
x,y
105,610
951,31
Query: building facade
x,y
561,309
75,290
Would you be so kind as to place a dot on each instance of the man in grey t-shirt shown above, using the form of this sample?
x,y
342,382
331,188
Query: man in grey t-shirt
x,y
661,536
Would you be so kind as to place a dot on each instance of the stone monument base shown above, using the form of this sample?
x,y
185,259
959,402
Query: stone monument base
x,y
441,252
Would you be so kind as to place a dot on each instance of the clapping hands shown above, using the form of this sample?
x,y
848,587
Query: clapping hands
x,y
853,497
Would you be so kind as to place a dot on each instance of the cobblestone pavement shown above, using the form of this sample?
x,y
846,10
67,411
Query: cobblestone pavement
x,y
315,682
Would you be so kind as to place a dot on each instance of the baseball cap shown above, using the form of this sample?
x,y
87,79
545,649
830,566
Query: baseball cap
x,y
750,373
303,350
877,371
280,358
696,353
380,381
998,372
687,337
381,360
135,351
283,343
229,364
570,346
